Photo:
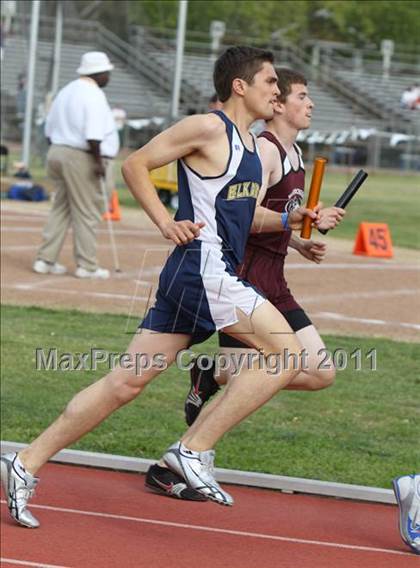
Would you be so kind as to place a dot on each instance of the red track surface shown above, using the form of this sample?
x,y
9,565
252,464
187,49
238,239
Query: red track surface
x,y
110,520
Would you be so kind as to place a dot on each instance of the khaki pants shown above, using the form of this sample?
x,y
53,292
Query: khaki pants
x,y
78,202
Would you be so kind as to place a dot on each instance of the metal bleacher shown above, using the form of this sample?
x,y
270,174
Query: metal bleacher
x,y
331,112
137,95
142,80
386,91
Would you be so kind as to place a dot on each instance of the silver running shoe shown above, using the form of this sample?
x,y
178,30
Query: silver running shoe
x,y
407,493
198,471
19,487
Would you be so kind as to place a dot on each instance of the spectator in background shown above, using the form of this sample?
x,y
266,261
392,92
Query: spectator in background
x,y
409,98
81,130
417,93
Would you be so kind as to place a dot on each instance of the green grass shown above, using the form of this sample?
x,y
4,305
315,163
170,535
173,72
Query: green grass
x,y
364,430
385,197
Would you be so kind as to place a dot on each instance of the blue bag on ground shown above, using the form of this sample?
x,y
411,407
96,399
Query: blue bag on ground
x,y
27,191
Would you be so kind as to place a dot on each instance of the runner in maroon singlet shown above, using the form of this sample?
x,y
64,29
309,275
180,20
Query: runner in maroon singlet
x,y
284,180
263,266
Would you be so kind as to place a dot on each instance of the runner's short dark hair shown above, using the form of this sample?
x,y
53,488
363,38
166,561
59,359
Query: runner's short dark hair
x,y
285,79
239,62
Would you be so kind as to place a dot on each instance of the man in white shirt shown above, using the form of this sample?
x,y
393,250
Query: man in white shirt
x,y
81,130
409,97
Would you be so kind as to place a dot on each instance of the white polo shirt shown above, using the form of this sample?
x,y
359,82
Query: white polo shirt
x,y
80,112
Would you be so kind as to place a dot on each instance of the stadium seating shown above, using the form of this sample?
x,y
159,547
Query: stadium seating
x,y
331,112
143,97
137,95
386,91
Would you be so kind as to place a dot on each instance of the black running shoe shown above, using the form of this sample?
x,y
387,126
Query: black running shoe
x,y
163,480
203,387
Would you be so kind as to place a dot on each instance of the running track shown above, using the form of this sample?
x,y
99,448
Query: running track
x,y
95,518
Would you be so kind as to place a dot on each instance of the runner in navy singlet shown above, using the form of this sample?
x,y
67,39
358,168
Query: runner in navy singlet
x,y
199,290
220,175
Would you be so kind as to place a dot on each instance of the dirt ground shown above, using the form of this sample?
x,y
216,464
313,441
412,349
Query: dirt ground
x,y
347,294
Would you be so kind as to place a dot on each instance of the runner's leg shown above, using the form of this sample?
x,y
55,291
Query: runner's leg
x,y
319,371
95,403
265,330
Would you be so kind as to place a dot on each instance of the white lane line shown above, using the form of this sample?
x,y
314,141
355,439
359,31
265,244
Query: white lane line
x,y
357,295
130,227
24,287
134,298
341,317
39,282
20,247
134,246
8,209
128,232
15,562
12,217
351,265
144,282
219,530
25,229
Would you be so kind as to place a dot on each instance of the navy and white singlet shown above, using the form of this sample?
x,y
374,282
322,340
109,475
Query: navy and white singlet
x,y
199,290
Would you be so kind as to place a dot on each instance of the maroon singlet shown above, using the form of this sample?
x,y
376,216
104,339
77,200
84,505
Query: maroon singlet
x,y
265,253
283,196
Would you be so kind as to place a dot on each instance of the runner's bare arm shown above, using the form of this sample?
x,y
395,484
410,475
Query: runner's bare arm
x,y
268,221
184,138
309,248
269,156
265,220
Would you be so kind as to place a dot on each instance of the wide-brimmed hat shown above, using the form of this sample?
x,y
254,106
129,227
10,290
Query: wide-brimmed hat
x,y
94,62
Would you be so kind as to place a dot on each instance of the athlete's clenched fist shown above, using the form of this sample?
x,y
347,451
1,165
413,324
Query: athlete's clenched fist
x,y
181,232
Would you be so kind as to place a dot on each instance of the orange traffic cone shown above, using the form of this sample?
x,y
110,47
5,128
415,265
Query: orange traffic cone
x,y
114,212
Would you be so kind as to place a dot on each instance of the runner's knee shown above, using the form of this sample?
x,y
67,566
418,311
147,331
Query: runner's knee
x,y
323,379
124,386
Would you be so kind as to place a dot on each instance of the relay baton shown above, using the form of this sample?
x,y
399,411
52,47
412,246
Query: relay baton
x,y
313,197
349,193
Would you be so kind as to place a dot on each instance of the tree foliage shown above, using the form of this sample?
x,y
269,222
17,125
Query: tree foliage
x,y
362,21
357,21
373,20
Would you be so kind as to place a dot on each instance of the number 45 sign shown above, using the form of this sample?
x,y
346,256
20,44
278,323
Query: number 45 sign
x,y
373,239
